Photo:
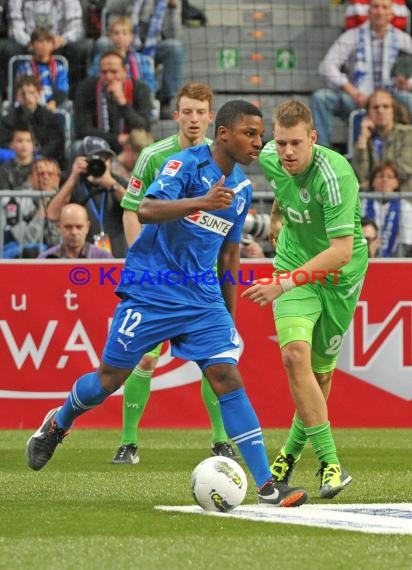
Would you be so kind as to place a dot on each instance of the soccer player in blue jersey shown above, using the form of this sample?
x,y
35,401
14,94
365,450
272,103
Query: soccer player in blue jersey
x,y
194,212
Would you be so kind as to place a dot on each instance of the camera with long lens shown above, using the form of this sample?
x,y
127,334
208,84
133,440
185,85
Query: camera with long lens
x,y
257,225
96,166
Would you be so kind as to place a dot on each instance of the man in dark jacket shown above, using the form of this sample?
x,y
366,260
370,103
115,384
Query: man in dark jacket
x,y
112,105
45,125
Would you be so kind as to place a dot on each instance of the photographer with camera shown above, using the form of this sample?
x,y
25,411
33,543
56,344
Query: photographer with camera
x,y
92,185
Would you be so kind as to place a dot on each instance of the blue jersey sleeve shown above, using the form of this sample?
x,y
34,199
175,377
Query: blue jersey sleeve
x,y
174,179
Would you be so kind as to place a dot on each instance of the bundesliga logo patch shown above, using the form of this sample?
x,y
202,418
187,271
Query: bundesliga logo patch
x,y
172,167
135,185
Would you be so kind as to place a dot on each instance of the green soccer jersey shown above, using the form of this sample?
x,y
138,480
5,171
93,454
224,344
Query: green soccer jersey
x,y
147,168
318,204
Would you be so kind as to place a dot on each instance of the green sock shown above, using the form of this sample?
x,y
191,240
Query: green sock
x,y
136,395
213,409
322,442
296,439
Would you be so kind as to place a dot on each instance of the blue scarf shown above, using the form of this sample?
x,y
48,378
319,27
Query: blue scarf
x,y
154,26
389,230
364,77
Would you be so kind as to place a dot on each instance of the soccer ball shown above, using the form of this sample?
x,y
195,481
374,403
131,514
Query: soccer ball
x,y
219,484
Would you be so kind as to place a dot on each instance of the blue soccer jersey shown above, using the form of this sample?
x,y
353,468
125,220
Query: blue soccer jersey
x,y
173,262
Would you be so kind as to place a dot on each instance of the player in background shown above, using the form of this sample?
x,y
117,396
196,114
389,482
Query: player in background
x,y
193,115
316,194
194,214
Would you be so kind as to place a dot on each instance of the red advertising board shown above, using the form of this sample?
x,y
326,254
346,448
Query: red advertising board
x,y
54,318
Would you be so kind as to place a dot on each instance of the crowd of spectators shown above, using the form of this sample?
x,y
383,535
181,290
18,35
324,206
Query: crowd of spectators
x,y
95,76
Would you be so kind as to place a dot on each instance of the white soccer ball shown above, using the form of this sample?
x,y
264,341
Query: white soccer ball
x,y
219,484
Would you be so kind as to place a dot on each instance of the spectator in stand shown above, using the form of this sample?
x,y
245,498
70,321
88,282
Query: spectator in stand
x,y
382,138
74,226
359,62
371,233
15,173
112,105
45,125
52,73
100,193
27,231
357,12
64,19
392,216
138,65
157,26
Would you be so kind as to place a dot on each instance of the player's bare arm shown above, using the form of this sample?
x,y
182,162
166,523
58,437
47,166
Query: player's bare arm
x,y
228,264
155,211
338,254
276,222
131,226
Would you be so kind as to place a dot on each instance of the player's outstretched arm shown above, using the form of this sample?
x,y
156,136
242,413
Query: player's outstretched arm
x,y
338,254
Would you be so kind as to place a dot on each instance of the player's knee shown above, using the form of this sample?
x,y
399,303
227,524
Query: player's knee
x,y
294,356
147,363
223,378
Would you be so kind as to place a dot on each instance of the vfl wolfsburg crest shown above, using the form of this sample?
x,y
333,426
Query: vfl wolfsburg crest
x,y
304,195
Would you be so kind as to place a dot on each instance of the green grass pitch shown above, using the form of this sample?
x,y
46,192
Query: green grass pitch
x,y
81,512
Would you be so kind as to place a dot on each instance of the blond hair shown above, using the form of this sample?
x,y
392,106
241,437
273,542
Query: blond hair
x,y
291,113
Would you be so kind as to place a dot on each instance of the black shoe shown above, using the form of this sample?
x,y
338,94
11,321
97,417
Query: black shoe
x,y
280,495
126,454
40,447
224,449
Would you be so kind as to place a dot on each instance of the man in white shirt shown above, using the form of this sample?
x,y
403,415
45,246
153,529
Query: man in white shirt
x,y
359,62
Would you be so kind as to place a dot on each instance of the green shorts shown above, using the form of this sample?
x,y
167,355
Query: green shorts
x,y
318,315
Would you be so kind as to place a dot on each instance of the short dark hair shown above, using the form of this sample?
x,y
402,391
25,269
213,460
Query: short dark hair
x,y
28,80
112,53
365,221
232,111
40,34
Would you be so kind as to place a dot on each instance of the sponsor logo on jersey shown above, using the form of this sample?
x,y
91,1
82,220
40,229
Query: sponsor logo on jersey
x,y
210,222
172,167
240,204
304,195
135,185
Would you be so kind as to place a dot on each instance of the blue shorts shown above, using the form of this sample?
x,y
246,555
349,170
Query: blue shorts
x,y
204,335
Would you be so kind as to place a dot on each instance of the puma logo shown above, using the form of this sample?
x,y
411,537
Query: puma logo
x,y
162,184
208,182
123,343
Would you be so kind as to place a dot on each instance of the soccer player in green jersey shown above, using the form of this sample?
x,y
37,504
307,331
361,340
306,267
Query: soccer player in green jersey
x,y
320,263
193,115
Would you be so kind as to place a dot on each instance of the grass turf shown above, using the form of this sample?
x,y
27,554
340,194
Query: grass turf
x,y
81,512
